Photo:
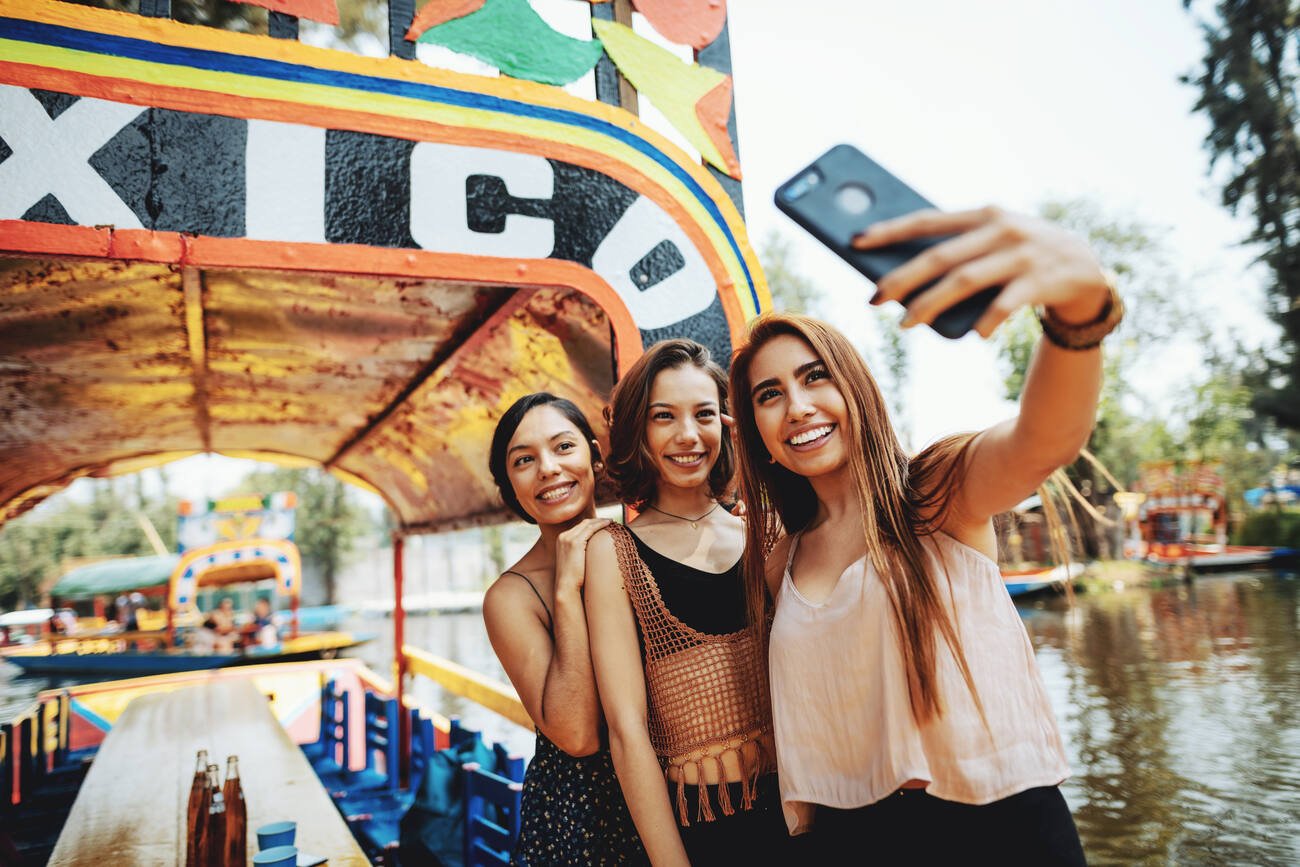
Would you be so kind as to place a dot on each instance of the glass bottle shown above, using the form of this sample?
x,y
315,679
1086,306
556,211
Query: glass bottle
x,y
215,853
198,787
232,796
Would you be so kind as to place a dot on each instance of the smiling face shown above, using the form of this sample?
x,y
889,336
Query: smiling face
x,y
683,431
549,466
799,411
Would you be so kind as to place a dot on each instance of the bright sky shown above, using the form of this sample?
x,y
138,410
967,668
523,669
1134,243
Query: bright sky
x,y
971,103
997,102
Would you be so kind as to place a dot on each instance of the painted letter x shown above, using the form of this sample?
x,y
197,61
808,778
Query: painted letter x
x,y
51,157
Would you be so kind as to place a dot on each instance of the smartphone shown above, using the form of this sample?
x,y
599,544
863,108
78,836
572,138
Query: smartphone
x,y
842,192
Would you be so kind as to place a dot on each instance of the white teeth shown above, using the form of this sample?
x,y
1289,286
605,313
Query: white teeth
x,y
555,494
810,435
684,459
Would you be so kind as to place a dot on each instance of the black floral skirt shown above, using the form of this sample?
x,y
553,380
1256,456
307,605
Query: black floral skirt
x,y
573,812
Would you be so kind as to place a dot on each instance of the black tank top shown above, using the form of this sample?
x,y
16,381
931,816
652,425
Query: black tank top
x,y
709,602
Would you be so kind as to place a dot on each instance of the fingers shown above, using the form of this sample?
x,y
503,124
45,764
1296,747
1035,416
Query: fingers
x,y
923,224
726,419
1015,295
584,529
936,262
994,269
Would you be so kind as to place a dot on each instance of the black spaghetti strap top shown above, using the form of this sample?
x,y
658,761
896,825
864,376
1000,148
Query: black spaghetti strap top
x,y
709,602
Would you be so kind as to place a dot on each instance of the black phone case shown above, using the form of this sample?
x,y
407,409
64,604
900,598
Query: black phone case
x,y
818,209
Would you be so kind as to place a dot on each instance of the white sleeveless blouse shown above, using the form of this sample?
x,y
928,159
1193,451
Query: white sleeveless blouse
x,y
845,734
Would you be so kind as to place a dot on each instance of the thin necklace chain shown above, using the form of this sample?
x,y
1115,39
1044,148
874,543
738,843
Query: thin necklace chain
x,y
694,522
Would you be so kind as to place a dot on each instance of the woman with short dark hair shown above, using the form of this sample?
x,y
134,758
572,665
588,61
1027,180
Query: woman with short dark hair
x,y
545,460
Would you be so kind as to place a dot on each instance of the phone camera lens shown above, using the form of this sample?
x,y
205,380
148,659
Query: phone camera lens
x,y
801,185
853,199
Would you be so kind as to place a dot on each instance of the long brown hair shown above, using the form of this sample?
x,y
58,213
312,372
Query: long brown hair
x,y
901,499
630,466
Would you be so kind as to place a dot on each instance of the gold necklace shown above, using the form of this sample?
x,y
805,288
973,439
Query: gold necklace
x,y
694,522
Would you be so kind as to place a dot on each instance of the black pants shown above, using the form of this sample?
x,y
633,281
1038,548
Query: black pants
x,y
910,827
747,837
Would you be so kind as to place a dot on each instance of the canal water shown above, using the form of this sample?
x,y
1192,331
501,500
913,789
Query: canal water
x,y
1179,705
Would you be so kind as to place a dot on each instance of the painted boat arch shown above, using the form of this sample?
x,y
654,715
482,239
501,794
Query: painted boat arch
x,y
234,197
235,561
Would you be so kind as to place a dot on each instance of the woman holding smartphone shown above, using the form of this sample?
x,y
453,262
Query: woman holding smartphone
x,y
544,459
681,674
911,720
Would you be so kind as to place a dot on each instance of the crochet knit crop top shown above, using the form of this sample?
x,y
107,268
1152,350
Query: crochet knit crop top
x,y
706,694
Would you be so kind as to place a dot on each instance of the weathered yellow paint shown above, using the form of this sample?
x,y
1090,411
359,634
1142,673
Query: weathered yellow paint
x,y
674,87
467,683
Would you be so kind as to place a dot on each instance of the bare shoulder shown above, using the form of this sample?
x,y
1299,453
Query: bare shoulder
x,y
602,559
508,594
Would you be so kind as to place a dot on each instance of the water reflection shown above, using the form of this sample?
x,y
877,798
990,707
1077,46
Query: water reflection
x,y
1178,709
1178,705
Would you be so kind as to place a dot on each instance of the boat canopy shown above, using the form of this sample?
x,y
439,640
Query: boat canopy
x,y
235,562
115,576
315,258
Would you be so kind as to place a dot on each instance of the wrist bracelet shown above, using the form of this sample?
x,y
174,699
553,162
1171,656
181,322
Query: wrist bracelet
x,y
1084,335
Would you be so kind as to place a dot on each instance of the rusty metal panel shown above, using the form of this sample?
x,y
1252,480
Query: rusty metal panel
x,y
300,363
398,382
94,366
430,456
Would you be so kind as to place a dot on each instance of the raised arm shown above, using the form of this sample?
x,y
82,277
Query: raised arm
x,y
1038,264
617,654
553,677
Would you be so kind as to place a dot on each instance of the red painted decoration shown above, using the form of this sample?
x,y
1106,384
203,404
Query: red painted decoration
x,y
437,12
324,11
713,110
687,22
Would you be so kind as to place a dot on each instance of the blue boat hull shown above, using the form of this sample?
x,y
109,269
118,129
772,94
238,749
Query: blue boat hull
x,y
140,664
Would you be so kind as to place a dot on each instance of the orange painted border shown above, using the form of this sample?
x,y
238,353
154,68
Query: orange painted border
x,y
180,99
199,251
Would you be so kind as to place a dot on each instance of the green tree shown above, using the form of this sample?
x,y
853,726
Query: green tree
x,y
329,521
1155,295
897,365
34,547
1247,84
792,292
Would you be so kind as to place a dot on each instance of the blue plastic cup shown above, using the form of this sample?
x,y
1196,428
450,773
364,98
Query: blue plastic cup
x,y
276,834
277,856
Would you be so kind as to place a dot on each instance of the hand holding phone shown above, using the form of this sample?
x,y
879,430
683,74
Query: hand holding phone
x,y
842,193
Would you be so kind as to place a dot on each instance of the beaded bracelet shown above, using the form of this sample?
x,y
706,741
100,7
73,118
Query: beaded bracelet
x,y
1084,335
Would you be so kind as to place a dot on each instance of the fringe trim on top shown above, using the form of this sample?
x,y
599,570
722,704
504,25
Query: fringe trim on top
x,y
724,792
750,772
681,798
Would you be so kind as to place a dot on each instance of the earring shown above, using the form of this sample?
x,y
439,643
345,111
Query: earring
x,y
771,460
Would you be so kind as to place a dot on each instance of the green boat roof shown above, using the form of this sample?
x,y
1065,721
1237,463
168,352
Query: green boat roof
x,y
119,575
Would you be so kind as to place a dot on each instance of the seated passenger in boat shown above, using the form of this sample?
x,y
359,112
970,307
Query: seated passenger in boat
x,y
261,630
204,638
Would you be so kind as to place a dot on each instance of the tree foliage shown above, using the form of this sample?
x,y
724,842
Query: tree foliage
x,y
1247,84
35,547
1214,417
792,292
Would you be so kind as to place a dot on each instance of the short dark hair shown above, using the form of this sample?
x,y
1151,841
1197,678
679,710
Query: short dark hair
x,y
630,466
506,428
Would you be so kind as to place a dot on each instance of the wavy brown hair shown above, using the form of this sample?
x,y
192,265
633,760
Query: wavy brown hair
x,y
902,499
630,466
